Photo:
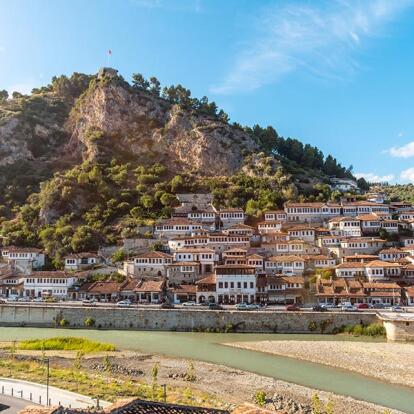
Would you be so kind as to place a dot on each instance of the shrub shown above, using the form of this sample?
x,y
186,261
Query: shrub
x,y
260,398
64,322
313,326
89,322
375,329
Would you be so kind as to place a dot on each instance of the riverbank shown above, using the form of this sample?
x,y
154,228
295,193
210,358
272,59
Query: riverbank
x,y
384,361
200,382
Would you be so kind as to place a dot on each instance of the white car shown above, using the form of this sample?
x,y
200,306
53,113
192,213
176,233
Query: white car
x,y
124,304
88,302
348,307
38,300
189,303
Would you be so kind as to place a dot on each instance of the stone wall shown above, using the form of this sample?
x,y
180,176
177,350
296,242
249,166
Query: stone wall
x,y
181,320
402,331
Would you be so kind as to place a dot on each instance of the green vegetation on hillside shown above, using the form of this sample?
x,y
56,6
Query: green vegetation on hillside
x,y
65,204
398,192
65,343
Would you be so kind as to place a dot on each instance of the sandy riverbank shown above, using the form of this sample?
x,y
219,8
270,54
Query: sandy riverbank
x,y
226,384
384,361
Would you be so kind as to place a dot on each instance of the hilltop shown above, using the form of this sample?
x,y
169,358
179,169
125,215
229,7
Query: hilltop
x,y
86,159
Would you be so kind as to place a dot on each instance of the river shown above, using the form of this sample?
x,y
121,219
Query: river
x,y
207,347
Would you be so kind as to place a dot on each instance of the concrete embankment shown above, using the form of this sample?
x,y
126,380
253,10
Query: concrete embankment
x,y
180,320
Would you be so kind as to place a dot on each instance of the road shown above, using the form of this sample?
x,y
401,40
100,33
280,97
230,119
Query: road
x,y
12,405
106,305
31,391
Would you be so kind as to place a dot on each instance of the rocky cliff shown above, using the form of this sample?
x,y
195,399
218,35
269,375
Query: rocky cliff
x,y
112,117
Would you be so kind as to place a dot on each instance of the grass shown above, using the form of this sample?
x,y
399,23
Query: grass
x,y
65,343
105,385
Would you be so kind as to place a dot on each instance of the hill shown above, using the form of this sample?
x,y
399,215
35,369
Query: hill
x,y
88,158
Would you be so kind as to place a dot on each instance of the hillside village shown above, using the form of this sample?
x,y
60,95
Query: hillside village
x,y
314,252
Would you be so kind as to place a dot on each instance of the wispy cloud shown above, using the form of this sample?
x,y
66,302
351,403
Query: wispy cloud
x,y
374,178
406,151
408,175
320,38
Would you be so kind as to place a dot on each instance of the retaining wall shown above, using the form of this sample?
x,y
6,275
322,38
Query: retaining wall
x,y
181,320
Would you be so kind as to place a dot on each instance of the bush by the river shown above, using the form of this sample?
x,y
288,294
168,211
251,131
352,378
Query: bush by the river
x,y
374,329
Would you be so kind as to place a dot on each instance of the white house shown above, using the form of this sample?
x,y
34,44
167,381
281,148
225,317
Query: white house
x,y
204,256
344,184
176,227
49,284
25,258
275,215
379,270
311,212
345,226
231,216
148,265
392,254
235,283
302,232
286,265
81,261
269,226
350,270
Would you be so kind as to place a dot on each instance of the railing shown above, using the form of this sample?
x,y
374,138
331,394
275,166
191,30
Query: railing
x,y
35,397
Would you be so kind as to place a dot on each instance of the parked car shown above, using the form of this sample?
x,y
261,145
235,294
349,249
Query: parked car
x,y
329,305
378,306
319,308
167,305
189,303
348,307
2,302
215,306
293,308
23,299
241,306
253,306
89,302
124,303
362,306
398,309
38,300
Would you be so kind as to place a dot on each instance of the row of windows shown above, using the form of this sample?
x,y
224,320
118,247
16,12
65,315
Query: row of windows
x,y
284,264
232,215
154,261
226,285
46,280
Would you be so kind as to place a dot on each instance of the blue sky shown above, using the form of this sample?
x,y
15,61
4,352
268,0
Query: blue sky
x,y
337,74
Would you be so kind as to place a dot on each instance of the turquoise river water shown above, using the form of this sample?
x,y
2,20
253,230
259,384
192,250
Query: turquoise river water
x,y
208,347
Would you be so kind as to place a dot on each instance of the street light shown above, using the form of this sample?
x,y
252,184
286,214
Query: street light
x,y
47,361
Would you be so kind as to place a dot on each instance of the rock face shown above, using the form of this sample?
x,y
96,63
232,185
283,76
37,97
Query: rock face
x,y
116,118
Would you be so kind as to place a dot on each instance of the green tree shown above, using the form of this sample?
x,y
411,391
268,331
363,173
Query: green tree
x,y
138,81
3,95
154,86
147,201
118,256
